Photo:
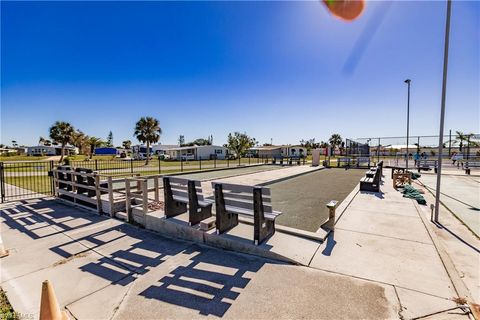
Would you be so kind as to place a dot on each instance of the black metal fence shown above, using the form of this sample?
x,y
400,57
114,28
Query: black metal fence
x,y
31,179
26,179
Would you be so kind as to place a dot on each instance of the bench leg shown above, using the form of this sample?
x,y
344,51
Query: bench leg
x,y
263,230
174,208
197,214
225,221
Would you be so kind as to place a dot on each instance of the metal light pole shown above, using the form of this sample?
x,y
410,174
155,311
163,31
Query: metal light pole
x,y
442,113
408,81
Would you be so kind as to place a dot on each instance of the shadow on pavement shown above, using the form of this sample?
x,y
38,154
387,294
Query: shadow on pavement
x,y
441,226
330,244
34,217
209,284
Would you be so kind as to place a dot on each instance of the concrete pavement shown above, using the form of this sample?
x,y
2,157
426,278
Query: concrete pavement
x,y
102,268
460,194
383,261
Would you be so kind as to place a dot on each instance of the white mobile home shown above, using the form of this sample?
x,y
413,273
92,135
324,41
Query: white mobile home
x,y
51,150
197,152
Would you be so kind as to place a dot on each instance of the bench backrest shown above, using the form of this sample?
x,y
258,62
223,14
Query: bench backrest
x,y
427,162
363,159
85,179
241,196
179,187
472,163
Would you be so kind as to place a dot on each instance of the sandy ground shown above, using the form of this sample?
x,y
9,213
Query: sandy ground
x,y
303,199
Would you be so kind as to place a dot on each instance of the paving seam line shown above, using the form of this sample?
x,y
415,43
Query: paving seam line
x,y
457,283
380,282
400,309
383,236
438,312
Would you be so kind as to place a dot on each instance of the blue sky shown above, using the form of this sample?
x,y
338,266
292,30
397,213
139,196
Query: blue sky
x,y
281,70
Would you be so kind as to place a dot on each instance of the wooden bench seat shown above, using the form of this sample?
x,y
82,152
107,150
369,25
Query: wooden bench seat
x,y
372,179
469,165
232,200
427,165
182,195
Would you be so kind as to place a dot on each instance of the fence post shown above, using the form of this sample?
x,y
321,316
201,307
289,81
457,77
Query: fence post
x,y
248,160
50,174
181,164
200,161
239,159
159,166
2,182
228,162
96,165
215,162
98,194
110,196
131,165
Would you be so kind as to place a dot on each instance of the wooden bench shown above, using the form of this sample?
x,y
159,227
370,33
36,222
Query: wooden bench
x,y
365,160
470,164
277,158
427,165
182,192
347,161
85,177
294,159
372,179
232,200
64,176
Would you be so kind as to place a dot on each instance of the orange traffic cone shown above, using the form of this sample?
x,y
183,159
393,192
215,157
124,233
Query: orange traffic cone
x,y
3,251
475,308
49,308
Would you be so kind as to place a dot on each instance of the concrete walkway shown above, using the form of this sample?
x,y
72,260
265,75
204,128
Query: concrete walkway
x,y
382,237
460,194
102,269
382,262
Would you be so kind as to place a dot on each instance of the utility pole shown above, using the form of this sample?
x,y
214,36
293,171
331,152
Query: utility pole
x,y
442,113
408,81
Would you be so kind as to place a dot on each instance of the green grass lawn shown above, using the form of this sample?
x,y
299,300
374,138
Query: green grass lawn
x,y
6,310
40,184
22,158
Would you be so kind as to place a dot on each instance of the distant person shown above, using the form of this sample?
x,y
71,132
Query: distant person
x,y
424,155
454,158
416,157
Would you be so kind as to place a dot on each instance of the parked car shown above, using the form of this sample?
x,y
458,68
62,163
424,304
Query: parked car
x,y
142,156
188,156
164,157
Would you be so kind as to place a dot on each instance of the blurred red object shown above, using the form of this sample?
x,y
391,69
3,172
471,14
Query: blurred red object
x,y
347,10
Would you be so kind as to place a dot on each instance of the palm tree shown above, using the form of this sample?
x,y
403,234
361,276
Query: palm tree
x,y
80,140
62,133
148,131
335,141
461,137
94,142
127,144
41,141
